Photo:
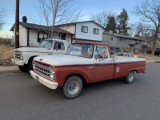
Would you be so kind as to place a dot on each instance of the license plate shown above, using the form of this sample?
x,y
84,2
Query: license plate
x,y
37,78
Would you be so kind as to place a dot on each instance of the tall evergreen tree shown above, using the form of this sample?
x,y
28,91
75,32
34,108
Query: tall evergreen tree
x,y
111,24
122,22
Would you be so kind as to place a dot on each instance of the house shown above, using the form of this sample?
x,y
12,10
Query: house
x,y
32,34
85,30
148,44
126,43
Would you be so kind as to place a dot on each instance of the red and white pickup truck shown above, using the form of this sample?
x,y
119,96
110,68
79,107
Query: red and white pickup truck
x,y
84,62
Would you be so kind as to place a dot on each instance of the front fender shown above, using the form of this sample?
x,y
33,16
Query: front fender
x,y
62,73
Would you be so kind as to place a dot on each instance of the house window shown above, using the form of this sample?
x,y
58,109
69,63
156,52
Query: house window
x,y
63,36
41,36
111,39
84,29
95,31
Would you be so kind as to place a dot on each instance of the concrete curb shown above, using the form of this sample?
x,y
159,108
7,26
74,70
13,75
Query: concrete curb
x,y
8,69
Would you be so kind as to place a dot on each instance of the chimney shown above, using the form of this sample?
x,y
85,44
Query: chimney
x,y
24,19
136,36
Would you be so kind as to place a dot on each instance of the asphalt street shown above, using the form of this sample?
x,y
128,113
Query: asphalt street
x,y
23,98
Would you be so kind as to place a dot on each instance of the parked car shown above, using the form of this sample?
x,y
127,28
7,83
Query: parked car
x,y
115,50
157,52
125,55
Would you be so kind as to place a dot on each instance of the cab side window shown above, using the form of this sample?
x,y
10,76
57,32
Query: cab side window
x,y
59,46
101,52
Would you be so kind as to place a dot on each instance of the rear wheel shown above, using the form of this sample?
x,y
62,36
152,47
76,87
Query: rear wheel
x,y
23,68
72,87
130,77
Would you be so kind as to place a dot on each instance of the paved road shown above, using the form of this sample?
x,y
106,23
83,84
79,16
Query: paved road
x,y
22,98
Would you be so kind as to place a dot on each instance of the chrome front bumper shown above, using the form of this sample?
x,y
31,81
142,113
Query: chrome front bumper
x,y
18,62
45,82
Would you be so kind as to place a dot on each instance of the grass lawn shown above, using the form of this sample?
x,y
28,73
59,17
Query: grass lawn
x,y
148,56
6,54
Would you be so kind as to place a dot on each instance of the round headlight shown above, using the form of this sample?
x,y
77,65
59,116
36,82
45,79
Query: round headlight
x,y
51,76
51,71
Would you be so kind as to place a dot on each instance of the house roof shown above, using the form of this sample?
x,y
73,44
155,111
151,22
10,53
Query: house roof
x,y
40,27
124,36
73,23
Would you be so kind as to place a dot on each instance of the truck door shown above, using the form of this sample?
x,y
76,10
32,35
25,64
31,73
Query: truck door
x,y
104,65
59,47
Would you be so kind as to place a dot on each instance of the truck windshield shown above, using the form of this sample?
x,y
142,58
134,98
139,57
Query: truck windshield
x,y
81,50
46,44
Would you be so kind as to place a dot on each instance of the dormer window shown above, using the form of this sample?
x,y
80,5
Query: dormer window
x,y
95,31
84,29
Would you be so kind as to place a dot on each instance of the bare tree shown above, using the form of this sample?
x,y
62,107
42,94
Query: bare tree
x,y
149,10
57,12
143,29
103,17
44,11
1,17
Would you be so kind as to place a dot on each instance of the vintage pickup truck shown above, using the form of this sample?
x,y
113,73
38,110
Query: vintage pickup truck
x,y
23,56
84,62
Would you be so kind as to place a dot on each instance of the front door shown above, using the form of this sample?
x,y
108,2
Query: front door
x,y
104,66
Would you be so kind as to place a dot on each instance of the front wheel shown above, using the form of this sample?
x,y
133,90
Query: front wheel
x,y
72,87
23,68
30,67
130,77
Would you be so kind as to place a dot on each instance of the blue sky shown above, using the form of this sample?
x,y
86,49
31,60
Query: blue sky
x,y
29,8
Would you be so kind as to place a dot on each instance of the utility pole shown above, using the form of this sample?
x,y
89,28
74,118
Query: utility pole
x,y
16,35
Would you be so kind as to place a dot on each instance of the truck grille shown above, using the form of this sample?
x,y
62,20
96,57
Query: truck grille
x,y
17,55
42,69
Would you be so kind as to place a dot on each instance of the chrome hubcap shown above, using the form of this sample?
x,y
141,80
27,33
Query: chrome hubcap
x,y
130,77
73,87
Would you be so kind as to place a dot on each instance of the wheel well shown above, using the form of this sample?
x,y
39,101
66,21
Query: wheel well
x,y
79,75
30,60
134,71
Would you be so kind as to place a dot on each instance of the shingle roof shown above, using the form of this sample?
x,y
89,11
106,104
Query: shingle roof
x,y
41,27
124,36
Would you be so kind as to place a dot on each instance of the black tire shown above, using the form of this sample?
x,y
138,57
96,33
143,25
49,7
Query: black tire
x,y
23,68
72,87
30,67
130,77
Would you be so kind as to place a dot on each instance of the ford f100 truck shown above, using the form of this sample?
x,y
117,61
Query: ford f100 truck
x,y
84,62
23,56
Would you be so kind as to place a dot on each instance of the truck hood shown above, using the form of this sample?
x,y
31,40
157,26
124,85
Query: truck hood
x,y
30,49
60,60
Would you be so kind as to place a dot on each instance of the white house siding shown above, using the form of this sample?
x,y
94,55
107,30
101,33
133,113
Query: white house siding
x,y
33,36
22,36
69,28
89,35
